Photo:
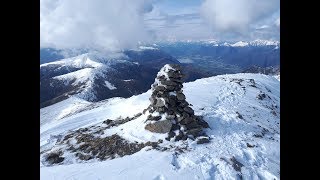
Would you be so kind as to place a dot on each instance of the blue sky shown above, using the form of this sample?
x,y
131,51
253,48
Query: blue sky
x,y
119,24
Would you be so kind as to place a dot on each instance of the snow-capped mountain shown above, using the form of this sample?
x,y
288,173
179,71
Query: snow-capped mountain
x,y
258,42
96,76
242,110
214,42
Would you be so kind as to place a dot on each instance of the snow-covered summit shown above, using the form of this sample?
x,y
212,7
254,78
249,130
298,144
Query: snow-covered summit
x,y
240,44
81,61
89,60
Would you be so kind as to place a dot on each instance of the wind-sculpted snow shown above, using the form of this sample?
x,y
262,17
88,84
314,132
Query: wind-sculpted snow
x,y
242,110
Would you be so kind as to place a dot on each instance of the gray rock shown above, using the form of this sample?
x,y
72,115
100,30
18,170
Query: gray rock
x,y
203,140
186,121
137,115
185,115
172,97
108,121
175,127
172,102
161,109
171,117
160,126
159,88
154,118
159,103
195,132
181,96
171,134
192,125
152,100
84,157
188,110
170,88
173,74
162,77
180,118
180,109
169,83
176,80
54,157
184,104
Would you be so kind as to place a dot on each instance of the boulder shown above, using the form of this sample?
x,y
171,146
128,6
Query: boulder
x,y
54,158
159,127
203,140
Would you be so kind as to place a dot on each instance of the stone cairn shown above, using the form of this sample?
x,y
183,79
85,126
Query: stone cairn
x,y
169,112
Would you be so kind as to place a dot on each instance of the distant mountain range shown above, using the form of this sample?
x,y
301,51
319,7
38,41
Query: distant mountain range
x,y
95,76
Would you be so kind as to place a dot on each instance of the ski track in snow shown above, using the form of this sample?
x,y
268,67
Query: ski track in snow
x,y
235,115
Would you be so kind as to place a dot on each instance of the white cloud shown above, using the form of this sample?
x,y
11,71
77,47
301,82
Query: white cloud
x,y
237,15
277,22
99,24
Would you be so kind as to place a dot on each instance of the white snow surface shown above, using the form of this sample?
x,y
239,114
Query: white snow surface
x,y
80,76
147,48
81,61
240,44
109,85
218,99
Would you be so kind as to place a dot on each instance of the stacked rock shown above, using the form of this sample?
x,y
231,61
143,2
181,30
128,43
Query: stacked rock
x,y
169,112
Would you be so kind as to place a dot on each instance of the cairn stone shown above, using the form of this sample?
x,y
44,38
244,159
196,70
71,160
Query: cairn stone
x,y
160,126
169,112
181,96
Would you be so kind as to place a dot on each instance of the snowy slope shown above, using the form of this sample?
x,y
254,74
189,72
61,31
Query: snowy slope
x,y
243,111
